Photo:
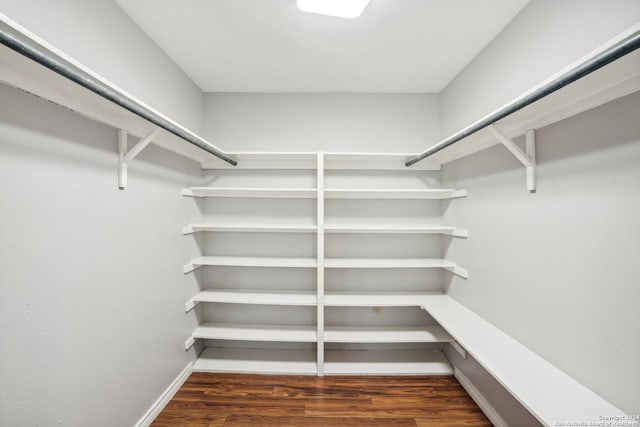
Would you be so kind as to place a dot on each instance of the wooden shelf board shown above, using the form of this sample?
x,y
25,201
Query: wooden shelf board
x,y
271,193
535,383
252,360
247,332
250,228
257,297
399,193
387,334
386,362
378,299
232,261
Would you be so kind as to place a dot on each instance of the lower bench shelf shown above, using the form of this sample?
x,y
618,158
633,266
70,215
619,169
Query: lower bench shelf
x,y
552,396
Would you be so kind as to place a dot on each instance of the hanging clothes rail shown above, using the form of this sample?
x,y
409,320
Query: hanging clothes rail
x,y
612,53
32,49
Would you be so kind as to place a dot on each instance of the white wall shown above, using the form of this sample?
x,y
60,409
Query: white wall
x,y
101,36
330,122
92,292
544,37
92,326
546,267
558,270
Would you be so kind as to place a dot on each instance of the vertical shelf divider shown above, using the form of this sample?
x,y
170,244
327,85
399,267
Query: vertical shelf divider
x,y
320,255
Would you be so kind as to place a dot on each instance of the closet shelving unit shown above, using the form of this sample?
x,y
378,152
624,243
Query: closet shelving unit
x,y
325,361
503,357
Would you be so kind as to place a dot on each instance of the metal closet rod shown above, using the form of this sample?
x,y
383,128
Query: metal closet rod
x,y
42,57
618,50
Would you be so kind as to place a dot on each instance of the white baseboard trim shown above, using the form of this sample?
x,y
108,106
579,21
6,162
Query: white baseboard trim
x,y
477,397
164,398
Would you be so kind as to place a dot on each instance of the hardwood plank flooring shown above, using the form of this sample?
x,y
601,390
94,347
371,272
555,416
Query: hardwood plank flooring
x,y
242,400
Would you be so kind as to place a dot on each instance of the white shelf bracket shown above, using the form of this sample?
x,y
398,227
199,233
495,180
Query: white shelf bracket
x,y
190,267
460,232
459,271
190,305
125,157
527,158
122,166
189,343
530,146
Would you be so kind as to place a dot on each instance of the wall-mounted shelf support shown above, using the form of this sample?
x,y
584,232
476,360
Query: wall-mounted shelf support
x,y
190,305
459,271
527,158
125,157
189,343
460,232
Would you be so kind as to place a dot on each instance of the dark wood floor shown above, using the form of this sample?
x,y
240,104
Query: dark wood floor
x,y
270,400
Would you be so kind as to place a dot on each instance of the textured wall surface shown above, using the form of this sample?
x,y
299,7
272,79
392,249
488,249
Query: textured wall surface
x,y
558,270
92,322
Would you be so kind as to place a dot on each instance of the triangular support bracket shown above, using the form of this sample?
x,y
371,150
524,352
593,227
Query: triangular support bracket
x,y
527,158
125,157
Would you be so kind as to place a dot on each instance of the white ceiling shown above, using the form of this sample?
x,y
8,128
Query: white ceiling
x,y
398,46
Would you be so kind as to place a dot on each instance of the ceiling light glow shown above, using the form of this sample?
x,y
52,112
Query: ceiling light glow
x,y
349,9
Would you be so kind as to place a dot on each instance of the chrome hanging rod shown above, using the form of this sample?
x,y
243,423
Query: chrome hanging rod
x,y
37,53
618,50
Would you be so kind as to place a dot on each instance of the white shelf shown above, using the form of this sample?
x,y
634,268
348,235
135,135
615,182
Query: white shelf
x,y
373,161
254,297
332,161
386,362
379,299
395,229
537,384
250,228
18,71
614,81
252,360
242,332
333,193
266,160
233,261
387,263
390,334
617,79
270,193
396,263
397,193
